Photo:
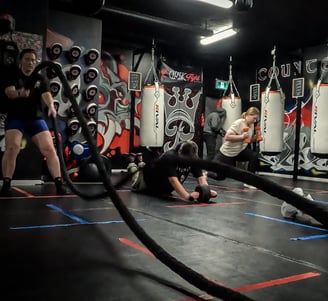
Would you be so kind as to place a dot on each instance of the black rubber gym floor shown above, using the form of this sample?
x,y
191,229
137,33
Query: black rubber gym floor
x,y
68,248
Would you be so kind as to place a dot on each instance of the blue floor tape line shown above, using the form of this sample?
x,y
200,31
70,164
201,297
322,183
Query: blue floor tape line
x,y
310,237
70,225
286,221
71,216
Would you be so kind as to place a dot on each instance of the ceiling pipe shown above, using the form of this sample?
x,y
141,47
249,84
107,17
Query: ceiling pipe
x,y
160,21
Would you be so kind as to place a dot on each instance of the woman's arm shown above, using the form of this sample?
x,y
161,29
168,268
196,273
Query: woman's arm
x,y
233,137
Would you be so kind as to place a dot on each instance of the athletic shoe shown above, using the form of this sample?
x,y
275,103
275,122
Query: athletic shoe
x,y
249,186
5,191
139,157
299,191
132,168
309,197
62,190
132,157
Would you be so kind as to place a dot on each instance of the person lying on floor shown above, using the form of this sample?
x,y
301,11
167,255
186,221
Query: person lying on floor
x,y
290,212
165,175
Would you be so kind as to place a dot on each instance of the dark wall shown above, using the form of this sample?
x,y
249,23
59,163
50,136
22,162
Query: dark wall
x,y
30,16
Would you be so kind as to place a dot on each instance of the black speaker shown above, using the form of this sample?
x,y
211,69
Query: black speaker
x,y
74,54
90,75
73,126
91,92
8,53
92,125
91,110
91,56
243,5
55,88
73,72
75,90
51,72
54,51
7,24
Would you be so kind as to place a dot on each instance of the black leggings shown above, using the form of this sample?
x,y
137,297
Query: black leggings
x,y
247,155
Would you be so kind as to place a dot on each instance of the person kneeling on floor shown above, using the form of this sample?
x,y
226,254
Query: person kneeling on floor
x,y
165,175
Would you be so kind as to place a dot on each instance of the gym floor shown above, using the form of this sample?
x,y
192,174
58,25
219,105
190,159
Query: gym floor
x,y
69,248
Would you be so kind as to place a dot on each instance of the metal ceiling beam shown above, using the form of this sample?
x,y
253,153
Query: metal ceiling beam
x,y
157,20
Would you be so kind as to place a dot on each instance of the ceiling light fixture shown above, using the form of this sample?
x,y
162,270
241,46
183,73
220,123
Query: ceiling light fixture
x,y
220,3
218,36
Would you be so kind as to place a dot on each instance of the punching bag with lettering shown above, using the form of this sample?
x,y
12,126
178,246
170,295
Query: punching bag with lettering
x,y
319,121
152,116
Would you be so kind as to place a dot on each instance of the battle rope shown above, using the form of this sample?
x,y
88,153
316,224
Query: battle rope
x,y
182,270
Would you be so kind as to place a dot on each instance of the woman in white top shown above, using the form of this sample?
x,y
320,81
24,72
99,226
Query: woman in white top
x,y
237,139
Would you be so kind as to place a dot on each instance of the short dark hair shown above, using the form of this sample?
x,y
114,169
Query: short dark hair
x,y
188,148
27,50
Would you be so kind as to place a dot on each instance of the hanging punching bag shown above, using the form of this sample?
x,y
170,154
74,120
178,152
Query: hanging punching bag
x,y
232,105
152,116
319,121
272,121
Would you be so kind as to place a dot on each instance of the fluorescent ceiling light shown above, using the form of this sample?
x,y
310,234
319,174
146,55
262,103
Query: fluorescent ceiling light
x,y
220,3
218,36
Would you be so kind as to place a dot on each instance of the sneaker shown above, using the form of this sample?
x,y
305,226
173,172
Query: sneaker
x,y
5,191
132,157
62,190
132,168
299,191
309,197
139,157
249,186
141,164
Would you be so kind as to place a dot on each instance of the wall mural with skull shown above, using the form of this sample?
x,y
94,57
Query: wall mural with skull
x,y
114,106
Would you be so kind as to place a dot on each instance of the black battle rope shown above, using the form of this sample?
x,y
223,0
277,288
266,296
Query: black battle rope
x,y
316,210
167,283
185,272
182,270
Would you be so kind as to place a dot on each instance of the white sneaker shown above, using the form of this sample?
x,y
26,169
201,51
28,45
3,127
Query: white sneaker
x,y
299,191
249,186
309,197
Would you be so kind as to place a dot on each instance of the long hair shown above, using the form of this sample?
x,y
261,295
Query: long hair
x,y
251,111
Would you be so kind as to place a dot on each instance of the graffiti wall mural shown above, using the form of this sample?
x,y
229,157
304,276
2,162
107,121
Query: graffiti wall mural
x,y
310,68
114,105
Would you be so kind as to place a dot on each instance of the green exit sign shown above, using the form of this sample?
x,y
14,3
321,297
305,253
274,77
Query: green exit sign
x,y
221,84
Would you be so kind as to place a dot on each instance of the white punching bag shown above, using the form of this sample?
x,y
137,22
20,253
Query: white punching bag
x,y
232,105
152,116
319,121
272,122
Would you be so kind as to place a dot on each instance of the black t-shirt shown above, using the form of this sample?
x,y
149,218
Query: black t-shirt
x,y
157,172
26,108
3,97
